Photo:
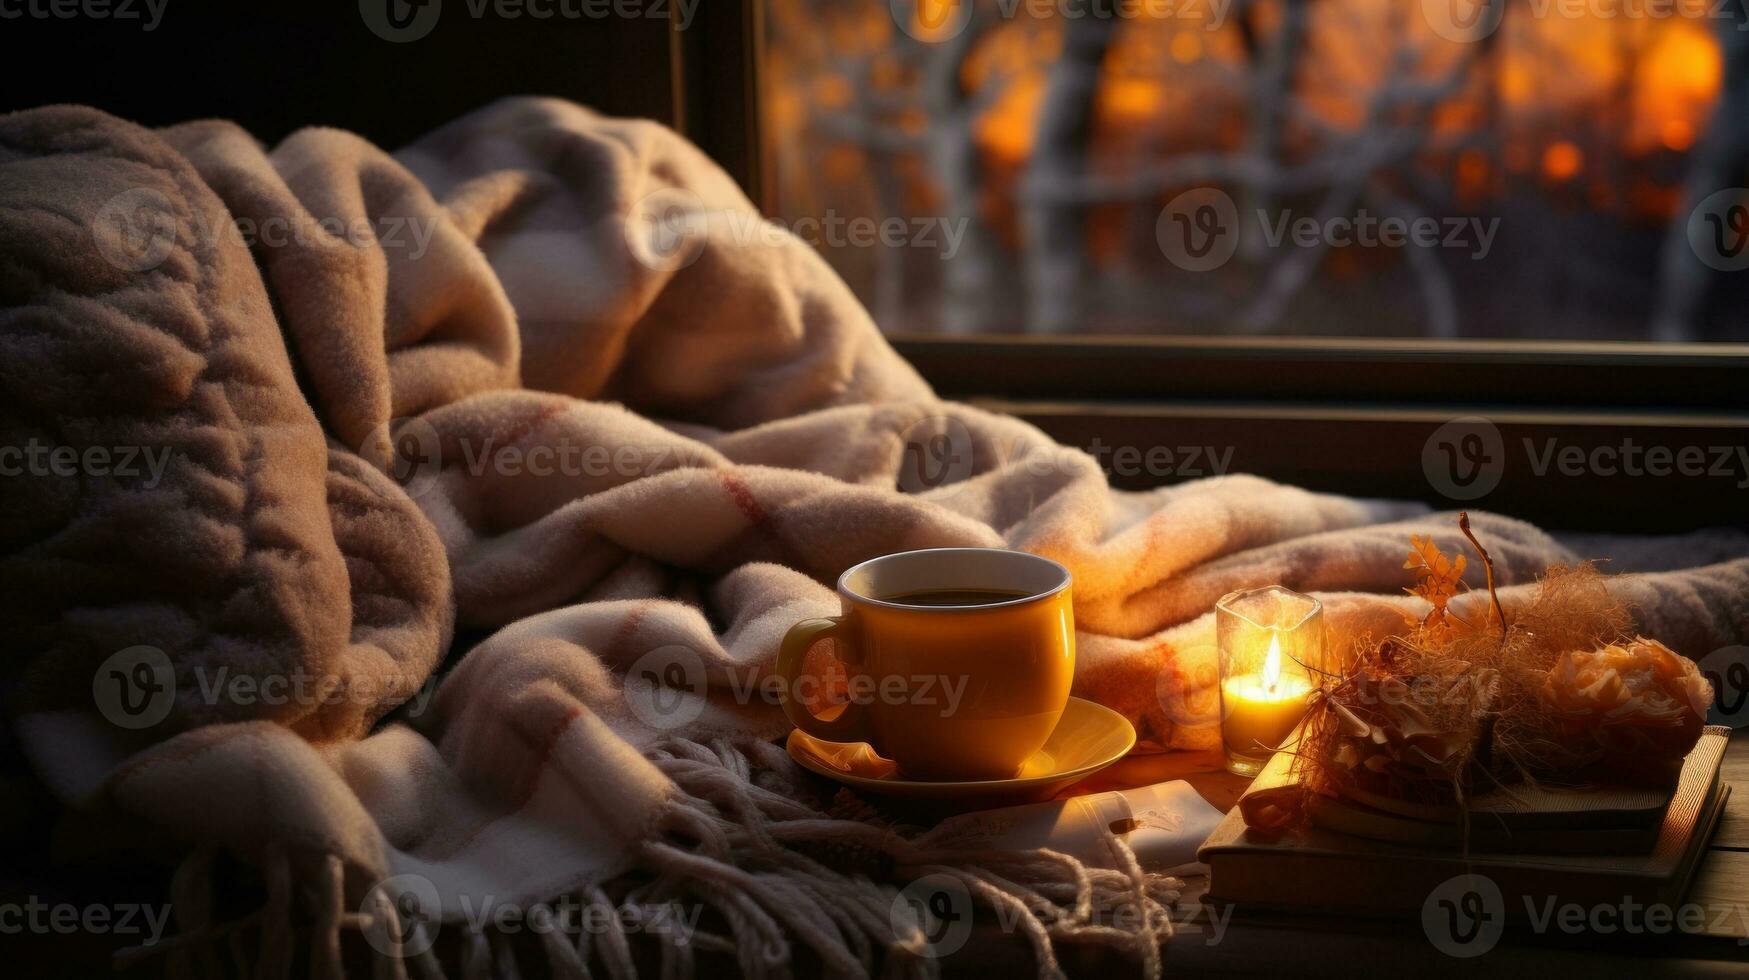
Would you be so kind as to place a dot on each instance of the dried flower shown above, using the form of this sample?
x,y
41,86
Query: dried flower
x,y
1454,707
1274,808
1438,579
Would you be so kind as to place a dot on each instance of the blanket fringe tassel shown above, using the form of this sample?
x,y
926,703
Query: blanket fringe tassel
x,y
773,872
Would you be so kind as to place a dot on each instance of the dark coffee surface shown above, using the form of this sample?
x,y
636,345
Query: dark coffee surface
x,y
957,597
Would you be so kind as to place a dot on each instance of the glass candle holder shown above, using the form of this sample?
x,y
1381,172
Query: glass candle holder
x,y
1271,643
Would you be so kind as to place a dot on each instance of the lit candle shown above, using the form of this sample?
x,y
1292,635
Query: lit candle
x,y
1270,641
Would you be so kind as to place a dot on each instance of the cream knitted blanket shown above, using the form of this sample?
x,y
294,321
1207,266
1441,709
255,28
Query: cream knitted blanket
x,y
544,381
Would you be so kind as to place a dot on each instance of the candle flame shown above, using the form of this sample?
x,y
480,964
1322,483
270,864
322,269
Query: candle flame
x,y
1272,664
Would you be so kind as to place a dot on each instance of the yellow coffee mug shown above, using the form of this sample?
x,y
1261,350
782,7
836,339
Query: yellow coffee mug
x,y
958,661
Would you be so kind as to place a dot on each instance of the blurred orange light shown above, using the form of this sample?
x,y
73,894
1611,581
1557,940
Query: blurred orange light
x,y
1686,60
1186,47
1562,160
933,19
1134,98
833,91
1678,134
1006,129
1679,81
1472,173
843,163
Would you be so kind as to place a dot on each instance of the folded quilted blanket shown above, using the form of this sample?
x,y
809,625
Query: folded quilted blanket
x,y
419,529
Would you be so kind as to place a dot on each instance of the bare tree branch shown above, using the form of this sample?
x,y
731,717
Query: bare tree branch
x,y
1054,228
1271,93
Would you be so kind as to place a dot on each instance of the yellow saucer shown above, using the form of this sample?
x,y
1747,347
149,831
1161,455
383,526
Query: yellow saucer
x,y
1088,738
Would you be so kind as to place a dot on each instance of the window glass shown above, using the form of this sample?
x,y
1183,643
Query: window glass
x,y
1541,169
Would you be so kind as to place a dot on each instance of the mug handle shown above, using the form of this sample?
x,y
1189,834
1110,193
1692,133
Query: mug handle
x,y
850,725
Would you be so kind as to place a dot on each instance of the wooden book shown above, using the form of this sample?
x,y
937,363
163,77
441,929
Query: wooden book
x,y
1319,868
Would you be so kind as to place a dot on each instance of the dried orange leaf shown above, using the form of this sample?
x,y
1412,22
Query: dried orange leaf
x,y
1438,578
